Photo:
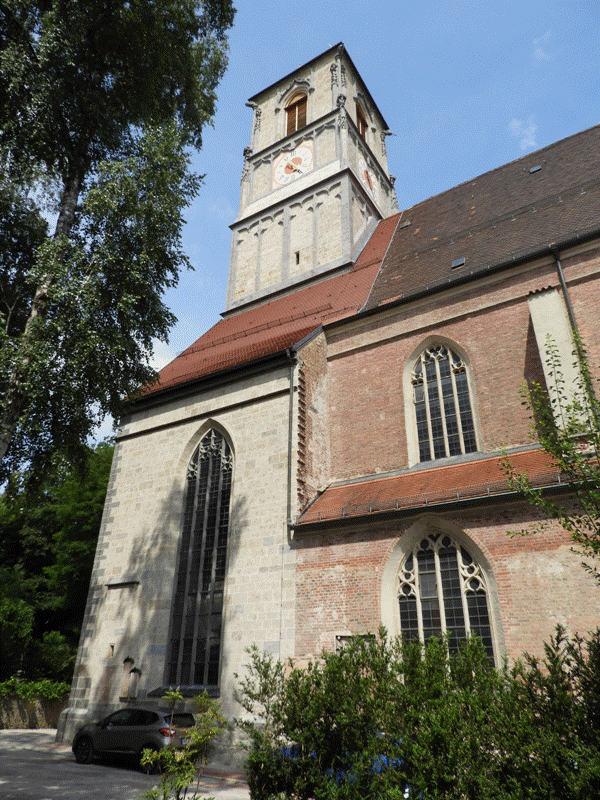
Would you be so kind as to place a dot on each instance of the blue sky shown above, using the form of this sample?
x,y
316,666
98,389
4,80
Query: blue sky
x,y
465,86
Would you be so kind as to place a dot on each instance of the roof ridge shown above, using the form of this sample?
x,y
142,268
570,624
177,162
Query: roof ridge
x,y
504,166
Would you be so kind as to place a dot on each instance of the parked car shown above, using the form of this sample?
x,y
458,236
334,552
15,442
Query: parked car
x,y
129,731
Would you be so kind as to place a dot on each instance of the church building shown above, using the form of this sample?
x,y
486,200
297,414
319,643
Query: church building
x,y
326,458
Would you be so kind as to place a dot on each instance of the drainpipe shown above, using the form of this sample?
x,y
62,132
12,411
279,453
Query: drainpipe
x,y
286,528
292,359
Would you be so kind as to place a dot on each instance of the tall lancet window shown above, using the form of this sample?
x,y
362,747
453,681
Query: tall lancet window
x,y
442,590
195,643
443,411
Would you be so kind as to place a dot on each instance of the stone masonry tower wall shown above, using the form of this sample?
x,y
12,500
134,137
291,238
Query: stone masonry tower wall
x,y
310,197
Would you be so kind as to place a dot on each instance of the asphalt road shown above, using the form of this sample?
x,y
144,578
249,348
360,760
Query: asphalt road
x,y
34,767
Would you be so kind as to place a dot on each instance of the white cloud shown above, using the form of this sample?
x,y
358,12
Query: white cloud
x,y
540,53
163,355
524,131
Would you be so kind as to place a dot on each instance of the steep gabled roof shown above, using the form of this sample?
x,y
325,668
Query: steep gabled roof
x,y
502,216
281,323
546,197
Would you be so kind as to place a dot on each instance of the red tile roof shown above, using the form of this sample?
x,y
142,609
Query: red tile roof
x,y
275,325
493,219
428,487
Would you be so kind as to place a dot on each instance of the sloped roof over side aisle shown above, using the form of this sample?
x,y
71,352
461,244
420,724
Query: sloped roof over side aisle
x,y
548,197
481,479
281,323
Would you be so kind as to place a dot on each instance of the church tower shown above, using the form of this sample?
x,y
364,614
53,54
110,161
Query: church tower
x,y
315,180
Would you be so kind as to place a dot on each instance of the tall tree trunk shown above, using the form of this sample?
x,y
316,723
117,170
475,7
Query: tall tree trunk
x,y
16,396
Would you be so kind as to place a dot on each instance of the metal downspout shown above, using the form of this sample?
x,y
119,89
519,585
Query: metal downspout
x,y
286,527
579,348
565,290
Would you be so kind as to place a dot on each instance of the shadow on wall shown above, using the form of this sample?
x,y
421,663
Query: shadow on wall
x,y
138,605
31,714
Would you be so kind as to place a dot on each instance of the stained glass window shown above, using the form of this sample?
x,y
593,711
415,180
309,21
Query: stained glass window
x,y
195,642
444,416
442,590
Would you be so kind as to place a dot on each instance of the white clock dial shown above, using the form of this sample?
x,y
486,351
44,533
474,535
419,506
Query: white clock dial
x,y
368,179
293,163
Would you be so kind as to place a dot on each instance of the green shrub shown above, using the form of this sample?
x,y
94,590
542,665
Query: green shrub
x,y
31,690
180,770
382,716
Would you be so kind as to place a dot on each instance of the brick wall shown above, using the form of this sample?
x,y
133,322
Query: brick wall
x,y
539,581
370,361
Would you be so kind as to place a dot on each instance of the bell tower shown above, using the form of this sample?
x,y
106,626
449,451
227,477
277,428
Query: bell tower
x,y
315,180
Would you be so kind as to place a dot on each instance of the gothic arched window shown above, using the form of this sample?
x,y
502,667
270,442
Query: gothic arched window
x,y
441,589
195,641
444,417
296,113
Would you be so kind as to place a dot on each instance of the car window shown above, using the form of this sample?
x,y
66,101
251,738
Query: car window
x,y
123,717
144,717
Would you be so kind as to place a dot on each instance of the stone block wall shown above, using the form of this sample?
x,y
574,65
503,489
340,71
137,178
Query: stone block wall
x,y
132,583
31,714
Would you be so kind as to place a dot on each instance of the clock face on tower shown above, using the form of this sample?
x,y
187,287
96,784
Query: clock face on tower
x,y
291,164
368,179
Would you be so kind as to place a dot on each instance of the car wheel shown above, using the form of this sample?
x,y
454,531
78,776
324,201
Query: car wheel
x,y
84,751
153,768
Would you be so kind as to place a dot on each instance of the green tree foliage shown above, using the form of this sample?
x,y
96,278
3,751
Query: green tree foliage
x,y
22,231
48,535
567,425
384,719
98,104
181,770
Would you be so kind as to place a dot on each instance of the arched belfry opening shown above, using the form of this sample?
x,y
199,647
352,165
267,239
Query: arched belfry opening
x,y
296,112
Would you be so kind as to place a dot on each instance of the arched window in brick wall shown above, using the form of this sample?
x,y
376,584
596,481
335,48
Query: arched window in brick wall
x,y
441,396
442,590
195,640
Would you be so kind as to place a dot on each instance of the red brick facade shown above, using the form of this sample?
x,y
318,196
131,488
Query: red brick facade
x,y
538,582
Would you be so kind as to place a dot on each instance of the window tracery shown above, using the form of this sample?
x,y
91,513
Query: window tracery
x,y
195,641
444,417
442,590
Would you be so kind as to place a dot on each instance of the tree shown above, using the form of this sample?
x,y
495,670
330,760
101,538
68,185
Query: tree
x,y
396,720
48,535
567,425
99,102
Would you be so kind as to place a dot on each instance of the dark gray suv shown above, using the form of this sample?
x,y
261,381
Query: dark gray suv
x,y
131,730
